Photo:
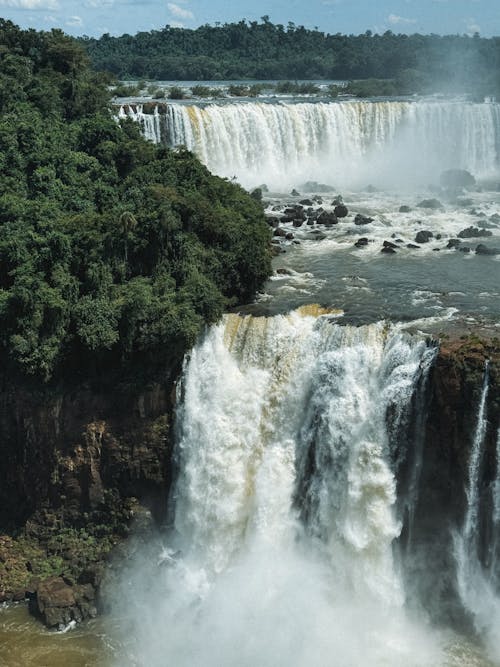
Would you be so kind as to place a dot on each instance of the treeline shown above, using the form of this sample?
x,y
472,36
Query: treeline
x,y
113,252
263,50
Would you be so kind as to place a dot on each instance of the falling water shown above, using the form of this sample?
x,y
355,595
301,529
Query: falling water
x,y
281,551
396,143
476,590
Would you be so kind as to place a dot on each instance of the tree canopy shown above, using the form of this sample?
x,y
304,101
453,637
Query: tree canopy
x,y
112,250
262,50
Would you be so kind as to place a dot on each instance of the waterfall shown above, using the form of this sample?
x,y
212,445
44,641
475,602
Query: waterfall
x,y
281,550
344,143
476,586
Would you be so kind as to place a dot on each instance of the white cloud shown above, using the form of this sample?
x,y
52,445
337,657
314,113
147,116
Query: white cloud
x,y
75,21
394,19
179,12
472,26
30,4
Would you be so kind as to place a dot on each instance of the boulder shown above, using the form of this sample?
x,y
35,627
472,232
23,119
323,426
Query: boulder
x,y
404,209
430,203
388,250
423,236
464,248
362,219
295,193
389,244
457,178
412,246
327,219
473,233
289,236
298,223
306,202
481,249
362,242
279,231
57,603
453,244
341,211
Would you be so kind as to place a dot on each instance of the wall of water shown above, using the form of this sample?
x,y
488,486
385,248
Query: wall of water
x,y
346,143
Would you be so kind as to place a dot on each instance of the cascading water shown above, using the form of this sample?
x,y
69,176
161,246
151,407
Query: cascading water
x,y
477,585
285,517
345,143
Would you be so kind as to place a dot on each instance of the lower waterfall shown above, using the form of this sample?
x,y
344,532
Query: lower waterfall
x,y
284,509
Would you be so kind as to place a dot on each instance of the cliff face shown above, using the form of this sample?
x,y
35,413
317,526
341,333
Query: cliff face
x,y
74,451
455,387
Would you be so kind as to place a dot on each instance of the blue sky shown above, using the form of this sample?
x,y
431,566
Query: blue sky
x,y
94,17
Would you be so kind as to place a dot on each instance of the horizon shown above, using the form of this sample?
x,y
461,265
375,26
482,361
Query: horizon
x,y
116,17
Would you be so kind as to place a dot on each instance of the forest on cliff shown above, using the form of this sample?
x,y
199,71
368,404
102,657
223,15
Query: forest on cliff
x,y
111,250
262,50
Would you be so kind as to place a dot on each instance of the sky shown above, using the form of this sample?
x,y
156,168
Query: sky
x,y
95,17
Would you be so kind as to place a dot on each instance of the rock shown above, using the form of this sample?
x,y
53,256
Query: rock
x,y
294,193
404,209
362,219
57,603
314,186
298,223
389,244
272,221
484,250
279,231
453,244
327,219
388,251
362,242
423,236
412,246
306,202
463,201
289,236
285,219
464,248
316,235
495,217
457,178
338,201
341,211
256,194
473,232
430,203
310,221
283,272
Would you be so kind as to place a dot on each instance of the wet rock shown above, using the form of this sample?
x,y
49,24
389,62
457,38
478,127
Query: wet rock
x,y
362,242
327,218
473,232
279,231
289,236
495,217
464,248
272,221
310,221
57,603
362,219
412,246
457,178
316,235
388,250
298,223
481,249
430,203
423,236
306,202
285,219
404,209
295,193
341,211
338,201
389,244
453,244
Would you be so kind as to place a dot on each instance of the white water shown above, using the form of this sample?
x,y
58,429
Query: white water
x,y
341,143
285,502
475,585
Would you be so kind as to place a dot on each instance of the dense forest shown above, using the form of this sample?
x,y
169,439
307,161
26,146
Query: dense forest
x,y
266,51
112,251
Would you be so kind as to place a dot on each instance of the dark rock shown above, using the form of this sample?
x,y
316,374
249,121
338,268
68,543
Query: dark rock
x,y
338,201
404,209
362,242
256,194
310,221
412,246
389,244
464,248
316,235
327,219
289,236
287,218
423,236
298,223
438,237
306,202
341,211
388,250
430,203
318,199
473,232
362,219
457,178
294,193
484,250
272,221
279,231
453,244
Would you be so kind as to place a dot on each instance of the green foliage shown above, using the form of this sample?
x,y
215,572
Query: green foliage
x,y
261,50
205,91
112,251
176,93
288,87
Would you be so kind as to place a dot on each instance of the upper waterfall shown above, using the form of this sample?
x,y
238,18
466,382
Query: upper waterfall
x,y
388,143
